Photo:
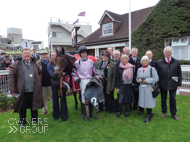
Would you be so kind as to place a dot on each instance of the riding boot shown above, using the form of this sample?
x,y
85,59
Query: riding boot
x,y
85,117
76,102
141,110
149,115
126,112
91,112
81,115
119,112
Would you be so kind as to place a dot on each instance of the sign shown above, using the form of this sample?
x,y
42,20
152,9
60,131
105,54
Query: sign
x,y
74,36
25,44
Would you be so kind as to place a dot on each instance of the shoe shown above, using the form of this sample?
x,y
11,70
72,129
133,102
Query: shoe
x,y
163,115
22,125
63,120
44,112
118,114
151,115
176,118
91,112
108,111
147,118
55,119
99,111
126,112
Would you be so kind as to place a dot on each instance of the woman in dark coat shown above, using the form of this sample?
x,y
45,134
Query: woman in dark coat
x,y
124,84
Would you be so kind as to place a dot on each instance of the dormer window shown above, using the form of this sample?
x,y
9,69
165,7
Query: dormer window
x,y
107,29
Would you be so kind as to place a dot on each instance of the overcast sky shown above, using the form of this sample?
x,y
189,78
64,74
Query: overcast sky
x,y
32,16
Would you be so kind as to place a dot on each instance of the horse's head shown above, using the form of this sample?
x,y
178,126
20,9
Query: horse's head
x,y
61,62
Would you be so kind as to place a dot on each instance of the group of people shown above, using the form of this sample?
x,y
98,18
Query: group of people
x,y
133,78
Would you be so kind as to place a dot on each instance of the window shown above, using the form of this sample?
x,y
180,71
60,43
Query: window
x,y
175,42
36,42
168,42
107,29
180,41
35,46
56,34
184,41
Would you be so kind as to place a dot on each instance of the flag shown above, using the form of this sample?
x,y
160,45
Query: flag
x,y
76,21
82,13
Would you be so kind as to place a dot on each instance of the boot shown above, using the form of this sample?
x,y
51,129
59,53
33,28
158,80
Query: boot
x,y
126,112
81,115
91,112
76,102
84,113
147,118
141,110
119,113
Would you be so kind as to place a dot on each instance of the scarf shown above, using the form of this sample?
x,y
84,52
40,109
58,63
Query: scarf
x,y
128,71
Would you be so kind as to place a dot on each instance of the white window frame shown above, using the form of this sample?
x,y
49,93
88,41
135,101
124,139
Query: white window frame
x,y
56,34
179,41
103,34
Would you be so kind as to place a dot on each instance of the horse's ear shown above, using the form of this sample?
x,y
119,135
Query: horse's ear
x,y
63,51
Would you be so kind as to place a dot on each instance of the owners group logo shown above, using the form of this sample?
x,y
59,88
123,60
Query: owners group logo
x,y
33,127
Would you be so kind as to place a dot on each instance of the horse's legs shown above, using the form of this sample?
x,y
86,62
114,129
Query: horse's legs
x,y
81,115
76,102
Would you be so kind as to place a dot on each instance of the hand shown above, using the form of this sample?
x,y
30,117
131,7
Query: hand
x,y
139,80
117,91
63,73
178,87
78,80
145,81
13,94
8,68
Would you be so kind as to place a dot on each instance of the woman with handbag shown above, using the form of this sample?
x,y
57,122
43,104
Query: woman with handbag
x,y
146,77
124,84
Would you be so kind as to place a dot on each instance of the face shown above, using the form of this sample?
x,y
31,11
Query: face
x,y
26,55
105,58
145,63
44,56
149,54
126,51
34,51
124,61
7,61
168,54
110,51
116,55
3,56
134,53
53,56
83,54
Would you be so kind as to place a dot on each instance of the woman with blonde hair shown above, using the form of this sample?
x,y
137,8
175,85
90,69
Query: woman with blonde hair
x,y
124,84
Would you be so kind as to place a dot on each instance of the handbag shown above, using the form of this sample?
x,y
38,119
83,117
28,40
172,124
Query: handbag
x,y
155,87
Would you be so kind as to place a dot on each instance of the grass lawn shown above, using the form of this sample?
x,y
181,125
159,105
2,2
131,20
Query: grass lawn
x,y
108,128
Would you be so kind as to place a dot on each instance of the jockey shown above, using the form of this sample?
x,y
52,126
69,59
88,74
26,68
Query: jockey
x,y
82,74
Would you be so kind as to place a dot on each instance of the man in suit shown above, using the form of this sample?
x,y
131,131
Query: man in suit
x,y
169,72
126,51
136,62
35,55
153,63
116,55
110,50
109,68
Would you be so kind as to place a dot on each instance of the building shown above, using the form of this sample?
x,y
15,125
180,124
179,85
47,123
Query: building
x,y
59,33
37,44
113,31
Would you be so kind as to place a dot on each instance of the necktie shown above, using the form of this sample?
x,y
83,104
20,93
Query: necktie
x,y
168,61
27,64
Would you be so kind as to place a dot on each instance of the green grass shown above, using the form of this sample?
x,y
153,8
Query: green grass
x,y
108,128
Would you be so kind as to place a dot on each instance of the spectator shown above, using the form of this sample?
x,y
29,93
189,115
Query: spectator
x,y
136,62
110,50
153,63
35,55
124,84
126,51
46,84
25,80
146,99
3,54
109,68
169,72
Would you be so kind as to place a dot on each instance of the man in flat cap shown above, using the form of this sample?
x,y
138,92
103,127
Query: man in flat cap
x,y
109,68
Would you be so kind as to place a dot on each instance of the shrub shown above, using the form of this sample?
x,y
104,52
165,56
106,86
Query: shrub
x,y
184,62
4,101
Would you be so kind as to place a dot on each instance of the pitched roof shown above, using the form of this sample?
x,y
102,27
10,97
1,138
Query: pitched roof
x,y
137,17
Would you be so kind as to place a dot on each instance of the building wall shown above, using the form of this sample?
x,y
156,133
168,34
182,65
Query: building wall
x,y
116,25
15,38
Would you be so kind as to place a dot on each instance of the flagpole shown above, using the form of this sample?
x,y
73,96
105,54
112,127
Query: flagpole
x,y
130,25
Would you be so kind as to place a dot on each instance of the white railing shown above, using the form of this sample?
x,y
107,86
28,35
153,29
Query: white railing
x,y
4,86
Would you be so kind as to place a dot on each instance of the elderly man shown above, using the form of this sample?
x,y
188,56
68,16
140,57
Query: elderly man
x,y
5,63
153,63
25,83
110,50
169,72
46,80
35,55
109,68
136,62
126,51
